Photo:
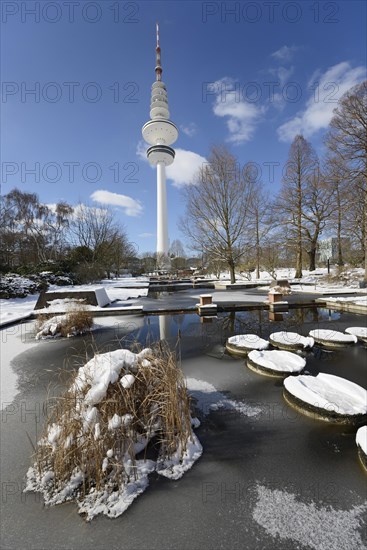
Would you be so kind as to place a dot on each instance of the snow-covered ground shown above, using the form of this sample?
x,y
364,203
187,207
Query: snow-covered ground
x,y
16,309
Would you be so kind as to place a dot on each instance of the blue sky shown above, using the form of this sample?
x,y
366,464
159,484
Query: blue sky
x,y
249,75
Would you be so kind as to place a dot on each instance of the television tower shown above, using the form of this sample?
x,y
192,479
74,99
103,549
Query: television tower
x,y
160,133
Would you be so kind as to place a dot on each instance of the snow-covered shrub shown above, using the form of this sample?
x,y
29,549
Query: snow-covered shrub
x,y
115,405
15,286
77,320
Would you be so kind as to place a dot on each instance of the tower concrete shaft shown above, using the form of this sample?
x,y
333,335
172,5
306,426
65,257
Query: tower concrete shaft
x,y
160,133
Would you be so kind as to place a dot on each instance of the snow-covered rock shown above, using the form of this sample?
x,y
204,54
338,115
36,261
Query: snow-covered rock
x,y
276,362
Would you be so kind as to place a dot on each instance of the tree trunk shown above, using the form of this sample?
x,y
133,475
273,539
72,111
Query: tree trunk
x,y
312,256
365,234
298,273
232,271
339,229
257,246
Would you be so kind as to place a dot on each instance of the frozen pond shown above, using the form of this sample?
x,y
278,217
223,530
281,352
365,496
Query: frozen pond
x,y
269,477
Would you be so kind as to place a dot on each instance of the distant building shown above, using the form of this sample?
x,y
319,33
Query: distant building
x,y
327,249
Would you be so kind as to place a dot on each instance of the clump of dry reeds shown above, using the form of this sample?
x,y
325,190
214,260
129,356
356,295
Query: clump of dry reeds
x,y
76,320
100,443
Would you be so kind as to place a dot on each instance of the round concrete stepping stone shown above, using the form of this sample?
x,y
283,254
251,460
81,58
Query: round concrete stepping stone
x,y
361,441
242,344
275,362
332,339
290,340
327,397
360,332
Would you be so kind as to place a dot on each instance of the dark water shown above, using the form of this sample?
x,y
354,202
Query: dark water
x,y
213,505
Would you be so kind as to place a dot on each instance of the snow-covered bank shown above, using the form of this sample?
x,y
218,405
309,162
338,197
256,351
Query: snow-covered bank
x,y
15,309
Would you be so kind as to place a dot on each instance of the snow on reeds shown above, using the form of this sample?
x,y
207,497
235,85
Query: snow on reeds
x,y
92,448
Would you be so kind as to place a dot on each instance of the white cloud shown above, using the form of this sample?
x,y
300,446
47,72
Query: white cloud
x,y
243,116
141,150
146,235
184,167
190,129
285,53
324,96
282,74
130,206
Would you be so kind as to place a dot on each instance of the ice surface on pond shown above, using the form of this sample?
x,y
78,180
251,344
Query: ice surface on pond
x,y
278,360
249,341
361,438
208,398
329,392
332,336
292,338
317,527
360,332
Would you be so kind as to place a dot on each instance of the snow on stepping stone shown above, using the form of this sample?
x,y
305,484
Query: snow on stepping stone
x,y
327,397
360,332
275,362
361,440
242,344
332,338
290,340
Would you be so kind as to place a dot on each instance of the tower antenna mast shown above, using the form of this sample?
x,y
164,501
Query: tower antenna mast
x,y
158,66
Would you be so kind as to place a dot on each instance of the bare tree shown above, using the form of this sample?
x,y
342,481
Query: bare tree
x,y
217,209
31,232
95,230
316,211
336,177
301,164
347,139
176,250
260,220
